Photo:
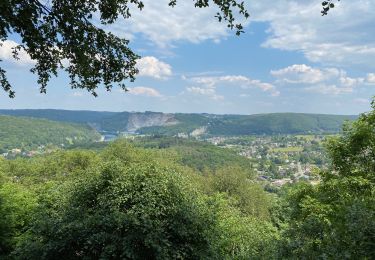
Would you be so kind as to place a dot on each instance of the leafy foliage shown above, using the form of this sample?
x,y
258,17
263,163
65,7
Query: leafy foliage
x,y
133,213
246,195
15,207
127,203
327,5
64,35
335,219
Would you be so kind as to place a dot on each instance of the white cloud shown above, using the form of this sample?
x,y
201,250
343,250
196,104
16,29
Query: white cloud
x,y
144,91
320,80
202,91
6,53
164,25
350,82
152,67
210,92
301,73
371,78
77,94
329,89
341,38
242,81
207,85
362,101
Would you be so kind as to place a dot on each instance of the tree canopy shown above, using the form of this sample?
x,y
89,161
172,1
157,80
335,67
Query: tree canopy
x,y
128,202
335,219
63,34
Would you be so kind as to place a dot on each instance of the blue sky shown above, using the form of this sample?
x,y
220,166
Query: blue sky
x,y
291,59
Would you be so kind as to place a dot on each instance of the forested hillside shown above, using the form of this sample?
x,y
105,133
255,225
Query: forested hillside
x,y
74,116
280,123
232,125
200,156
209,124
172,198
28,133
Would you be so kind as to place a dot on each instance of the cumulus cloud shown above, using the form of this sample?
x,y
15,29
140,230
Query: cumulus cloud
x,y
77,94
164,25
321,80
152,67
371,78
340,38
241,81
144,91
329,89
207,85
362,101
301,73
210,92
6,53
350,82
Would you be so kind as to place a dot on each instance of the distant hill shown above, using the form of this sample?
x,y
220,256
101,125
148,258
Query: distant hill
x,y
279,123
28,133
234,125
74,116
195,124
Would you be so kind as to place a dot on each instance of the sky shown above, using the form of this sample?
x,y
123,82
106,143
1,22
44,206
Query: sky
x,y
290,59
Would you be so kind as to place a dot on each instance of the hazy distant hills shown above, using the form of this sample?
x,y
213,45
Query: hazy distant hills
x,y
194,124
59,115
29,133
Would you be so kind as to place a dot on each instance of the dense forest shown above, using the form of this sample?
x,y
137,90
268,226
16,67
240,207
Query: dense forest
x,y
172,199
28,133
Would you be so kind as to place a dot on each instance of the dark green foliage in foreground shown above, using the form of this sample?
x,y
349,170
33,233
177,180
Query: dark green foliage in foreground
x,y
336,219
139,212
127,203
16,204
27,133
